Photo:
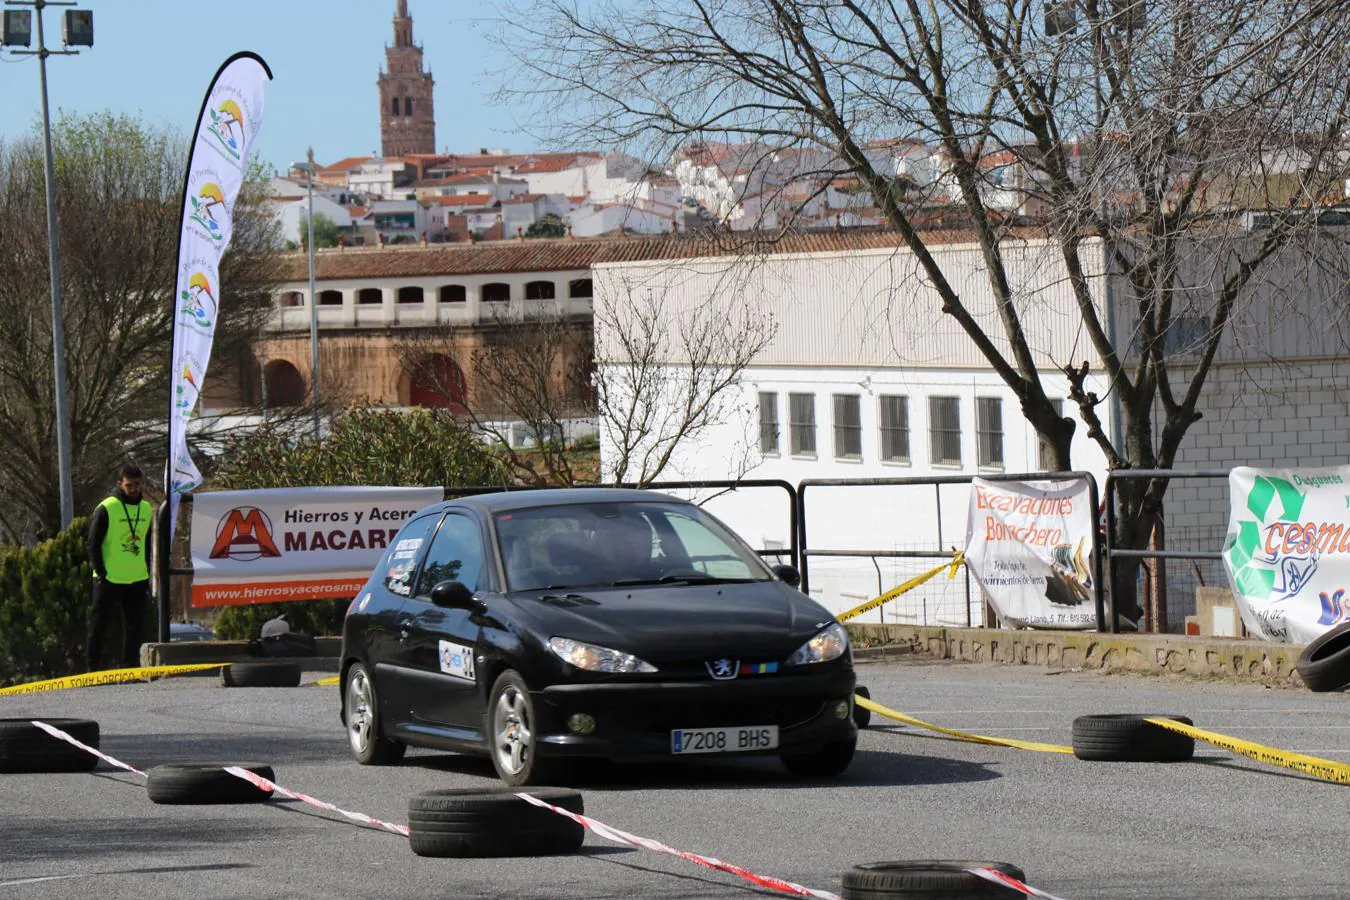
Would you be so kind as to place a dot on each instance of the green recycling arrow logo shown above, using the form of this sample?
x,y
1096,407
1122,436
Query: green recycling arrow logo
x,y
1250,574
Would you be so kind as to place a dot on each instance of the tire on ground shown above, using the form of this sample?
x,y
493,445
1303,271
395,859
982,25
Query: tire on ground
x,y
1129,738
26,748
481,822
205,783
1324,665
261,674
928,879
862,717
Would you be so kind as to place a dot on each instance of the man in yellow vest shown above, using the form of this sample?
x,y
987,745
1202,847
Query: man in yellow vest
x,y
119,550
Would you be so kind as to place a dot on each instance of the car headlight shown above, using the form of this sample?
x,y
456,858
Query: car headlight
x,y
597,659
830,644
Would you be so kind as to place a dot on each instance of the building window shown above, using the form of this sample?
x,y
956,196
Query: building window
x,y
581,289
407,106
894,428
989,432
1046,452
330,298
1186,335
395,105
410,295
293,298
847,426
802,423
371,296
944,430
768,423
453,293
497,292
539,290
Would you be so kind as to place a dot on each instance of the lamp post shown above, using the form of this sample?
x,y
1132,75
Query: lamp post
x,y
313,299
78,30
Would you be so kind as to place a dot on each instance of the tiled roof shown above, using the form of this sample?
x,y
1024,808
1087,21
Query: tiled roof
x,y
574,254
523,198
556,162
345,165
483,200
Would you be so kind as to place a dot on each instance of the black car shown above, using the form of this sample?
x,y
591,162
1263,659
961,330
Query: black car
x,y
538,626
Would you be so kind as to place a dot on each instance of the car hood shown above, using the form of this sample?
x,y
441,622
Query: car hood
x,y
662,623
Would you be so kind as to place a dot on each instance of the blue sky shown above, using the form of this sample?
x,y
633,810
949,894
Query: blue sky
x,y
154,58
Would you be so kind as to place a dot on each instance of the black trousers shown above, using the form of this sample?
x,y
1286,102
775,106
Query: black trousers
x,y
131,600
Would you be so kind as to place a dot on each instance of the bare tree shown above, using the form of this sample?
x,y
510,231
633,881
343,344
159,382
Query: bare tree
x,y
667,373
531,370
1137,136
118,186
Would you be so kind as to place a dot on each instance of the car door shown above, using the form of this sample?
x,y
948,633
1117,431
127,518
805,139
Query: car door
x,y
443,642
387,628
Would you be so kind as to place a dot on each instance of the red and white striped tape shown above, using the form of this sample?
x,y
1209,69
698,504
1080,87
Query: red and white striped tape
x,y
267,785
623,837
58,733
600,828
245,774
1006,880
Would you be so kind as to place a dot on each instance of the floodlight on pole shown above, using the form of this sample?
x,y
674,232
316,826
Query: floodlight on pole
x,y
308,167
78,30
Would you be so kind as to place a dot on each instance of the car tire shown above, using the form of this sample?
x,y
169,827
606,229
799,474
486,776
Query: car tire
x,y
205,783
361,715
261,674
1129,738
862,717
1324,665
26,748
511,733
827,762
478,822
929,879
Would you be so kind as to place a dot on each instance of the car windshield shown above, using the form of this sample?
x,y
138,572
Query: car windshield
x,y
621,544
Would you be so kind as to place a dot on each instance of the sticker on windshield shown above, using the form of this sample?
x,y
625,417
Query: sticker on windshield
x,y
457,660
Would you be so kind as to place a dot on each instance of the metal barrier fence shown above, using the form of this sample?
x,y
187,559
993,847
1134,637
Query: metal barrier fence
x,y
1161,611
937,551
165,571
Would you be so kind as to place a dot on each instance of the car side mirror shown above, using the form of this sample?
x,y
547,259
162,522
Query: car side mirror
x,y
788,575
453,595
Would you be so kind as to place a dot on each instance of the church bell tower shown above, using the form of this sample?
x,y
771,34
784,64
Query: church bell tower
x,y
407,116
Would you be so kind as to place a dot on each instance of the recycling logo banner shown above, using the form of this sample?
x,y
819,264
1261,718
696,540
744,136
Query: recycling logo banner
x,y
1029,545
1288,550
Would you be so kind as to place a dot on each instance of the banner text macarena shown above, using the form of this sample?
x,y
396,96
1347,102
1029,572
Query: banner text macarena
x,y
284,544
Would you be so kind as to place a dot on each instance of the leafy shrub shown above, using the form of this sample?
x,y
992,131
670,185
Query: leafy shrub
x,y
44,607
365,445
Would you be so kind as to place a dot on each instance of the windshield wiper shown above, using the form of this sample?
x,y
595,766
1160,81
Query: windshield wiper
x,y
681,578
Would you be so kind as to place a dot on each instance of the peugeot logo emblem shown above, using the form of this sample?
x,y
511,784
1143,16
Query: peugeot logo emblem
x,y
723,669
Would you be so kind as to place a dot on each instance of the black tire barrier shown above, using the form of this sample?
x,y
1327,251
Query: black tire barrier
x,y
928,879
493,822
261,674
862,717
1129,738
205,783
26,748
1324,665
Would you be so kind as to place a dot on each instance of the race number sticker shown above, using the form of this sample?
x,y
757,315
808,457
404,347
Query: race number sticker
x,y
456,660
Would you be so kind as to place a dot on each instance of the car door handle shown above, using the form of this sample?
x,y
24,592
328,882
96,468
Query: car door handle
x,y
404,630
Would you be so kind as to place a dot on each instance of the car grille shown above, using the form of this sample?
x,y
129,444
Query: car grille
x,y
658,718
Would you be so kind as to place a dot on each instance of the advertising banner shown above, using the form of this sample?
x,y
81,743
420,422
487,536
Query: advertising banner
x,y
1288,550
229,120
282,544
1029,545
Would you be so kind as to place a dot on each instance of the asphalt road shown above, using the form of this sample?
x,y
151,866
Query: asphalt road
x,y
1218,827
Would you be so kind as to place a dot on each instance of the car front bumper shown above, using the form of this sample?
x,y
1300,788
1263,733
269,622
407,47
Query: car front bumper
x,y
633,721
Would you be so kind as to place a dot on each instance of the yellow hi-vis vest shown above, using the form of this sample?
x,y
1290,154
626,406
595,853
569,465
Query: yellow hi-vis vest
x,y
124,544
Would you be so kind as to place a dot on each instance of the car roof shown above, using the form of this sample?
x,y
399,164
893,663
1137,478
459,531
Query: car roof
x,y
503,501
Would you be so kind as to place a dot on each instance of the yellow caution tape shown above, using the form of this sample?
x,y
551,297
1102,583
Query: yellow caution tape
x,y
1326,769
108,676
958,560
335,679
963,735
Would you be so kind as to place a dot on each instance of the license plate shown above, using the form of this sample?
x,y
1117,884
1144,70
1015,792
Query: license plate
x,y
723,740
